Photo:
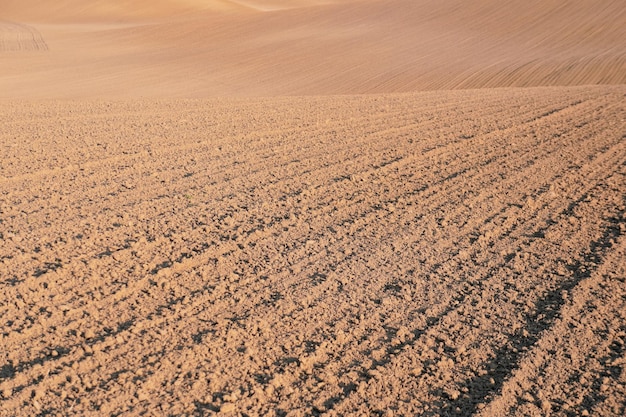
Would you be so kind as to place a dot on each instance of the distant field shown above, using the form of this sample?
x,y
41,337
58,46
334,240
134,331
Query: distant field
x,y
191,48
444,253
19,37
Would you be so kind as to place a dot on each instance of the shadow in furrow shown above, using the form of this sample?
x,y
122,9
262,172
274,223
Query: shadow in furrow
x,y
391,352
482,388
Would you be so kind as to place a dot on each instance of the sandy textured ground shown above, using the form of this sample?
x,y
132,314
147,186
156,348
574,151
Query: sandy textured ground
x,y
201,211
195,48
447,253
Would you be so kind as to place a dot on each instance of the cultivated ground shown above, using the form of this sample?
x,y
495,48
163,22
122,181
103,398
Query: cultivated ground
x,y
448,253
256,208
125,49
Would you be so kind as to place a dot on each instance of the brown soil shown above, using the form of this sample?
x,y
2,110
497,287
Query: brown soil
x,y
194,48
20,37
445,253
256,207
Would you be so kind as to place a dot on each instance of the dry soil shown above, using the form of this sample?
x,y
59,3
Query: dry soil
x,y
456,252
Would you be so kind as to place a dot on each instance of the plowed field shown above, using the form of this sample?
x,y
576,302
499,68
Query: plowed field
x,y
123,49
437,253
20,37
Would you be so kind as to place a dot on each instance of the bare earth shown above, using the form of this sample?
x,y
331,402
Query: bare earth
x,y
182,235
134,48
